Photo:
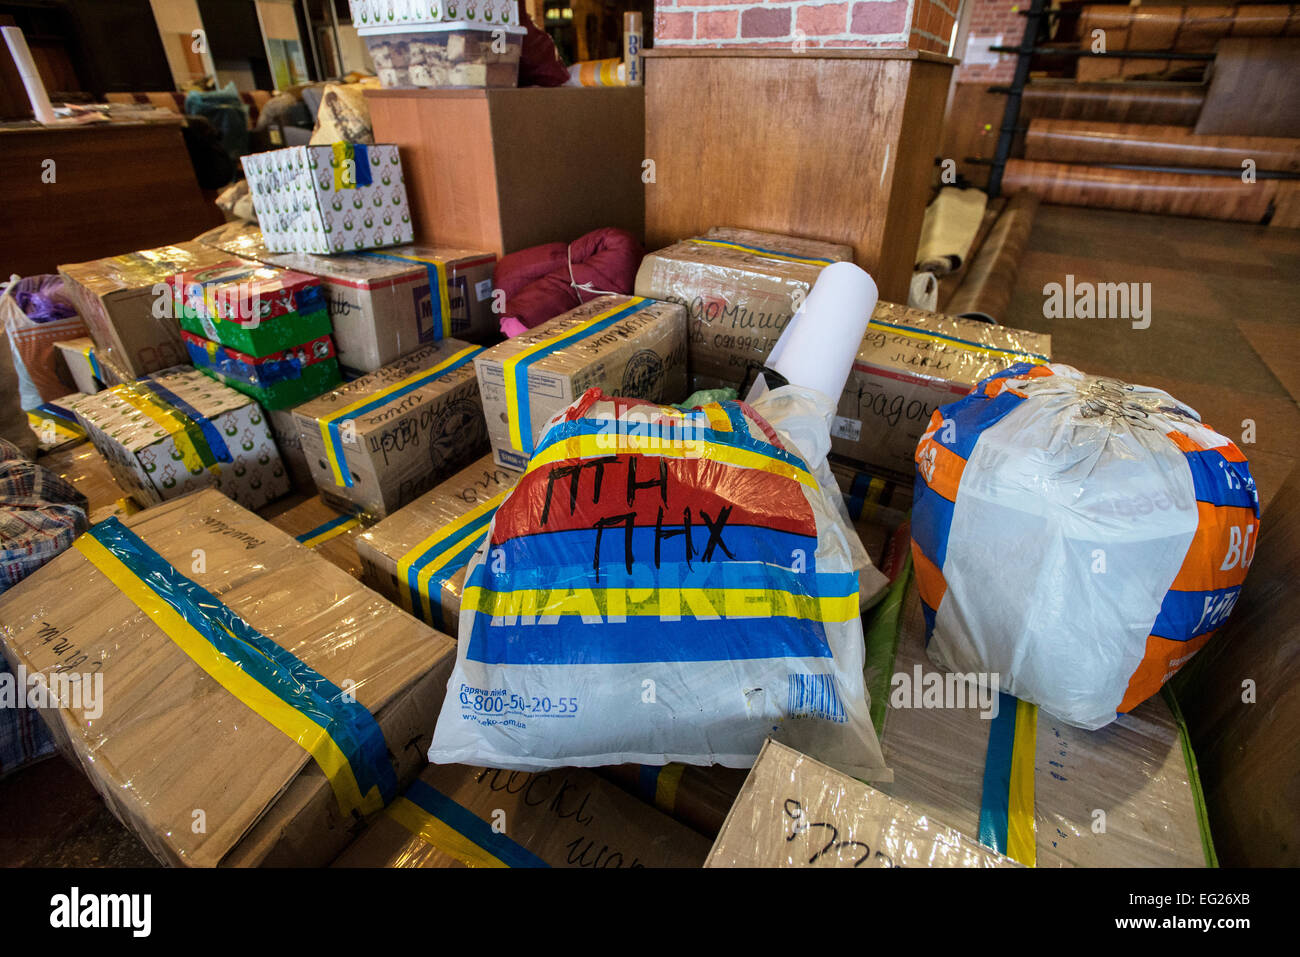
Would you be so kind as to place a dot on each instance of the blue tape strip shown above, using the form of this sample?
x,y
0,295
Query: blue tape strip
x,y
995,800
300,686
324,527
958,339
465,822
216,443
444,572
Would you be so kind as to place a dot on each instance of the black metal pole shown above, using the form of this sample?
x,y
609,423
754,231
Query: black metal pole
x,y
1011,117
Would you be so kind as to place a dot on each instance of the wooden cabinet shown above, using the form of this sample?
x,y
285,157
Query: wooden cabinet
x,y
832,145
500,170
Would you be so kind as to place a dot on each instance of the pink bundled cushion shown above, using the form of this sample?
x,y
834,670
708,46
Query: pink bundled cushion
x,y
538,285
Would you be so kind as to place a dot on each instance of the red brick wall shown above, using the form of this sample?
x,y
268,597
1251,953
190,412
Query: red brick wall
x,y
806,24
992,18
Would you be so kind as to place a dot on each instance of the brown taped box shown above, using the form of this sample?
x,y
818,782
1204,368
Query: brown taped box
x,y
873,498
119,298
642,356
566,817
738,301
383,546
404,447
379,303
797,812
284,429
328,532
171,740
699,797
910,363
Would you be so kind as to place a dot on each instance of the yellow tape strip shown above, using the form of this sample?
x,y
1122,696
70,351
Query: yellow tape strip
x,y
704,603
596,446
808,261
453,543
949,343
510,367
335,465
172,422
334,532
439,835
1022,844
666,787
62,432
289,720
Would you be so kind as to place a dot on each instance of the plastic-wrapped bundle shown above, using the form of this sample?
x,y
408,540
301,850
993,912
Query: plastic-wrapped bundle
x,y
1076,537
660,585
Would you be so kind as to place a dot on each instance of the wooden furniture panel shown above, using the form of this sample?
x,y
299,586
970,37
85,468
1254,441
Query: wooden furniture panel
x,y
117,188
501,170
832,145
1253,89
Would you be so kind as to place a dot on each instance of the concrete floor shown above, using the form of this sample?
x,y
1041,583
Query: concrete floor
x,y
1224,338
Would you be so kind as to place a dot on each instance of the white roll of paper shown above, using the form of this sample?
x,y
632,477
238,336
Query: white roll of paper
x,y
817,348
27,70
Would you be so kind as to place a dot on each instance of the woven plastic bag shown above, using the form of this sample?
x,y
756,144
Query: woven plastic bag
x,y
1076,537
661,585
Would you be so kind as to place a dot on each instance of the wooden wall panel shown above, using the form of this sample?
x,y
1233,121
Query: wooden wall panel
x,y
1082,141
834,146
1143,191
970,129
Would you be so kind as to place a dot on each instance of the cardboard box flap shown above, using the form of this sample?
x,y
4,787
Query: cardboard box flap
x,y
173,746
947,349
394,390
791,804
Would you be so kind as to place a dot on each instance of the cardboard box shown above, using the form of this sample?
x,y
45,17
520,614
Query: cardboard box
x,y
252,307
126,302
740,288
177,432
284,429
952,762
417,556
699,797
872,497
910,363
621,345
367,14
55,424
203,777
377,442
797,812
278,380
79,355
307,201
457,816
379,302
326,531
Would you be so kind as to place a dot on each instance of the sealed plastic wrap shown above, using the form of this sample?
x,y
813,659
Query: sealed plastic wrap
x,y
375,443
125,301
277,380
55,424
1077,537
1033,787
910,363
379,302
739,288
621,345
794,811
452,816
326,531
418,555
175,432
661,585
234,698
89,473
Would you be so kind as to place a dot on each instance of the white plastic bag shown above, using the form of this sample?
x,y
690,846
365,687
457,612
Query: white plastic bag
x,y
660,586
1077,537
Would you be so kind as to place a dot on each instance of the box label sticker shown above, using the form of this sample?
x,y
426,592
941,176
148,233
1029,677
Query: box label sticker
x,y
843,428
483,289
